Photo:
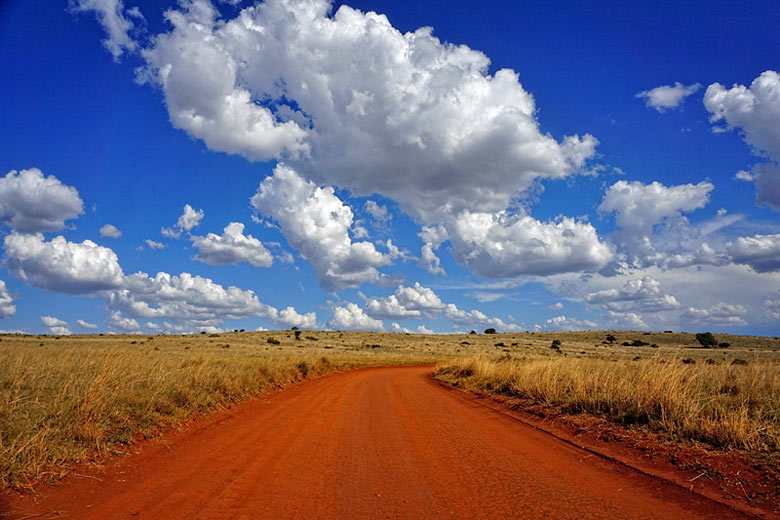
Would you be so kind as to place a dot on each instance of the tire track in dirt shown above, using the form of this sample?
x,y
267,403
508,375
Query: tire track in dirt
x,y
374,443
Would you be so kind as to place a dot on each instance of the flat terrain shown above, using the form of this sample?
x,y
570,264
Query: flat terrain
x,y
371,443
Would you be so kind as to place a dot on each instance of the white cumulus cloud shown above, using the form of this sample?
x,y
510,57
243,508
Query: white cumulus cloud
x,y
31,202
352,317
720,314
86,325
187,221
755,112
231,247
7,307
565,324
761,252
351,101
55,326
644,294
316,223
500,245
62,266
122,323
188,298
289,317
667,97
116,21
111,231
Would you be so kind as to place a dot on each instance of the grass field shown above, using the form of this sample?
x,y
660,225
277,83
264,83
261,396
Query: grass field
x,y
76,398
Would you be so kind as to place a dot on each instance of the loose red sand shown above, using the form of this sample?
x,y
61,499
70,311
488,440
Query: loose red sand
x,y
377,443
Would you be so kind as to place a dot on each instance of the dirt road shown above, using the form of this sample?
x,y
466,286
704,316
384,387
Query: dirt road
x,y
377,443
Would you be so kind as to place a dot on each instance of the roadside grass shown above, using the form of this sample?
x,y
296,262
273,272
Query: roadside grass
x,y
74,399
722,404
71,399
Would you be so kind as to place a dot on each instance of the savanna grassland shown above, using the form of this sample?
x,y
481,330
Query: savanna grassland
x,y
72,399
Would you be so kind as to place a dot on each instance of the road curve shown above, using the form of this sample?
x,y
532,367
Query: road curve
x,y
375,443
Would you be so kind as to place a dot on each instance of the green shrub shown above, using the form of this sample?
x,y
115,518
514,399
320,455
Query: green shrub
x,y
490,331
273,341
706,339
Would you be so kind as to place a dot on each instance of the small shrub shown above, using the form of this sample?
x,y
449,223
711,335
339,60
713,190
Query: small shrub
x,y
311,338
738,361
611,338
273,341
689,361
500,344
490,331
203,332
639,343
297,334
473,332
555,343
555,347
725,344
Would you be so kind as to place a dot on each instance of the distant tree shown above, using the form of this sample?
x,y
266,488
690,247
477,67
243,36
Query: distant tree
x,y
490,331
706,339
297,334
473,332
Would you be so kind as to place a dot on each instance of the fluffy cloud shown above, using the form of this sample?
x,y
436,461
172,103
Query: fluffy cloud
x,y
30,202
755,111
639,208
187,221
396,327
667,97
231,247
62,266
154,245
430,261
7,307
563,323
55,326
377,211
316,223
499,245
352,317
86,326
407,302
627,320
289,318
122,323
116,21
555,306
111,231
351,101
720,314
192,299
476,318
761,252
644,294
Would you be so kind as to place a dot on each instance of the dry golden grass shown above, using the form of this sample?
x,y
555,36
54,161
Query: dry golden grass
x,y
719,403
75,398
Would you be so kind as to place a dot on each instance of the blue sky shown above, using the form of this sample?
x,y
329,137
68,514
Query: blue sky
x,y
301,163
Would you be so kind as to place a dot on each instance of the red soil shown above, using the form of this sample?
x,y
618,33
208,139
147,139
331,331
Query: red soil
x,y
376,443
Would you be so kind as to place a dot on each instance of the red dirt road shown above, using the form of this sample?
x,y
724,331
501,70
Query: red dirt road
x,y
376,443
